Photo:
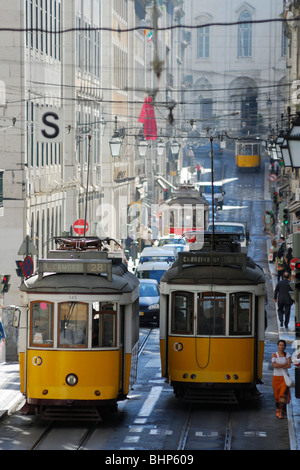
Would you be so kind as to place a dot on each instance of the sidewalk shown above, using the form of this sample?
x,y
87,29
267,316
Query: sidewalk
x,y
10,396
289,336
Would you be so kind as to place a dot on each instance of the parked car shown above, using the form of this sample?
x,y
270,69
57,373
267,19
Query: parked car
x,y
149,301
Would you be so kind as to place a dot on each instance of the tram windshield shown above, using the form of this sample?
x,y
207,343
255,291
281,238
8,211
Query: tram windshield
x,y
72,318
212,314
247,149
41,324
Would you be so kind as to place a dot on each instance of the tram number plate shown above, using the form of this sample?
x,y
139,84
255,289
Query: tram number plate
x,y
73,267
96,268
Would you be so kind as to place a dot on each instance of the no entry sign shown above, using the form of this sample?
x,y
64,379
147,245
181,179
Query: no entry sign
x,y
272,177
78,226
293,263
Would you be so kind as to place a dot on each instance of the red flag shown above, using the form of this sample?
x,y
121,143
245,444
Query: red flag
x,y
147,117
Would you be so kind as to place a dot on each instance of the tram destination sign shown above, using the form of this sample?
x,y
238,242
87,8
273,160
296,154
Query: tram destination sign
x,y
74,266
212,259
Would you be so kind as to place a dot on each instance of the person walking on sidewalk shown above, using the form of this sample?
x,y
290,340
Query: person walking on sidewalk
x,y
285,301
281,360
280,265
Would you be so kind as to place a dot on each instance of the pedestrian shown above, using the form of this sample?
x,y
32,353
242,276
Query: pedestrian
x,y
279,265
287,259
285,301
282,245
281,360
2,332
198,168
273,250
267,221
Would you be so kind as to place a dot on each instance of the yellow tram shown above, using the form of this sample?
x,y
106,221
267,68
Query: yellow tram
x,y
248,154
212,322
79,341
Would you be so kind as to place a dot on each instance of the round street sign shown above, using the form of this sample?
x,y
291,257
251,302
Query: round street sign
x,y
272,177
293,263
27,266
78,226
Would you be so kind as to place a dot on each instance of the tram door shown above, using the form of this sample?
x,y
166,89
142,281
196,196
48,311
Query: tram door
x,y
105,332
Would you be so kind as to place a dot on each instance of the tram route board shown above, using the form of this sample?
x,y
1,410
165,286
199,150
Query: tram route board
x,y
212,259
76,266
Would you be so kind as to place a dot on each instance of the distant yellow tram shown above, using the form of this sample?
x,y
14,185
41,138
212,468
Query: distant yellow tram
x,y
248,154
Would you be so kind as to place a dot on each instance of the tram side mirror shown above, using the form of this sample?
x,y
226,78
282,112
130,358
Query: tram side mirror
x,y
16,318
16,311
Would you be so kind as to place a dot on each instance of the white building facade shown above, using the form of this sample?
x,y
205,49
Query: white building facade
x,y
236,69
69,75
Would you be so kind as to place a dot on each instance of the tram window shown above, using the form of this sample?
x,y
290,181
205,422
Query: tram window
x,y
211,314
248,149
182,313
240,317
41,324
104,325
72,324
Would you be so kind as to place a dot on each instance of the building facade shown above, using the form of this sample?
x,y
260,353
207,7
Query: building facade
x,y
235,65
72,73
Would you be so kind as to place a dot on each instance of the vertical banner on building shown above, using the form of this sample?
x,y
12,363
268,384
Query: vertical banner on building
x,y
49,125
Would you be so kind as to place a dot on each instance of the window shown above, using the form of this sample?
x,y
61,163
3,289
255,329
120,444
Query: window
x,y
240,316
245,35
1,188
41,332
203,42
211,313
72,325
104,325
182,312
284,42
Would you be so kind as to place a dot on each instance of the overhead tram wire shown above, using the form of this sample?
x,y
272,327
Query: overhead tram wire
x,y
137,28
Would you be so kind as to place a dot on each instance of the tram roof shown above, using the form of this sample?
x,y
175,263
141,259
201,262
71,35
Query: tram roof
x,y
202,267
81,265
186,194
122,282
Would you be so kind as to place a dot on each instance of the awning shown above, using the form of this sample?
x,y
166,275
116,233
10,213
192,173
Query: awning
x,y
294,206
161,184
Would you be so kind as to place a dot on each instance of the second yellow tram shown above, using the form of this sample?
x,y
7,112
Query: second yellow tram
x,y
212,323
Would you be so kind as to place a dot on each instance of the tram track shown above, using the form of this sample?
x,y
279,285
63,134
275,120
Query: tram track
x,y
216,435
145,338
77,440
48,437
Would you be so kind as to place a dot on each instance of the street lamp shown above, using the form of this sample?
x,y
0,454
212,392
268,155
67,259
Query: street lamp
x,y
293,142
116,142
143,145
160,149
175,147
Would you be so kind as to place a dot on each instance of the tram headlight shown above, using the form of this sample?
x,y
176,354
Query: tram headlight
x,y
154,307
72,379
